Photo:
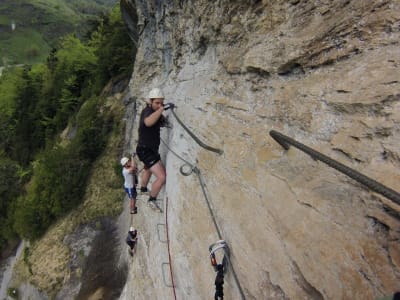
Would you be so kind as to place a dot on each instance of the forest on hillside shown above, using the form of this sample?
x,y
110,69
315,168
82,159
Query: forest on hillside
x,y
43,176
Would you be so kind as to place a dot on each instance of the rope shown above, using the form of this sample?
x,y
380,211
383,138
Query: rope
x,y
284,140
169,253
202,184
198,141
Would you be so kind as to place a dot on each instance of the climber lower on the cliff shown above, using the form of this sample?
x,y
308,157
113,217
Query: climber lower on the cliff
x,y
151,121
131,239
130,178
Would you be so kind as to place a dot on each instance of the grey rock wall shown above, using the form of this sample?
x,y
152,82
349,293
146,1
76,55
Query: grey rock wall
x,y
323,72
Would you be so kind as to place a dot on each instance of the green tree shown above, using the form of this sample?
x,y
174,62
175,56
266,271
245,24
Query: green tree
x,y
57,186
115,51
9,82
10,188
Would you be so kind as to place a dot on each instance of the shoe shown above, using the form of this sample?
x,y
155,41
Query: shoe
x,y
152,199
152,202
144,190
134,211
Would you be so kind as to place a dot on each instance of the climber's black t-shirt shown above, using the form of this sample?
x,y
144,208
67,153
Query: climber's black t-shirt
x,y
149,136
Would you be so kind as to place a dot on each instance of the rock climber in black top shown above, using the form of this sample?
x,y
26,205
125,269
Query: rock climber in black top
x,y
151,120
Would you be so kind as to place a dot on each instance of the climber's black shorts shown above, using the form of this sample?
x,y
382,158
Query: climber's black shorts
x,y
148,156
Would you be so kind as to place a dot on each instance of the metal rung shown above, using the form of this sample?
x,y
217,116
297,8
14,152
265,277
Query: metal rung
x,y
162,270
158,233
375,186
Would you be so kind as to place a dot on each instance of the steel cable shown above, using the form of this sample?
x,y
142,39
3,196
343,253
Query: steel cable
x,y
198,141
202,185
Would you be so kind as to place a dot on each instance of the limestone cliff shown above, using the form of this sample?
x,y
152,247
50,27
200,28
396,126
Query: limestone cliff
x,y
325,73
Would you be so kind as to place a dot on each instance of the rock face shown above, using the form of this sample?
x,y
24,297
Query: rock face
x,y
326,73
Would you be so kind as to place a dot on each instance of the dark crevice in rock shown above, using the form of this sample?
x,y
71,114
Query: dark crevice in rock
x,y
201,109
384,232
259,71
383,132
202,45
304,284
364,275
390,82
347,155
306,204
236,108
391,212
390,155
371,282
380,4
274,290
290,69
378,226
379,108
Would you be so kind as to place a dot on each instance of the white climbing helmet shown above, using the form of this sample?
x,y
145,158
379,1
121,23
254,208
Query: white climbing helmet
x,y
156,93
124,160
132,229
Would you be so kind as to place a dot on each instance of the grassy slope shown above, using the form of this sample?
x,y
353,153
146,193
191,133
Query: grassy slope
x,y
103,197
38,25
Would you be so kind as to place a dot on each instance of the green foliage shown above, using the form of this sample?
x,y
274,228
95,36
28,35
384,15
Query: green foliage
x,y
38,103
117,171
29,136
91,136
71,75
12,292
10,187
9,82
60,173
75,56
27,253
57,186
116,55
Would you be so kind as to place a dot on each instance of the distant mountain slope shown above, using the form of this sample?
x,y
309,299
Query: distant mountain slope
x,y
29,28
